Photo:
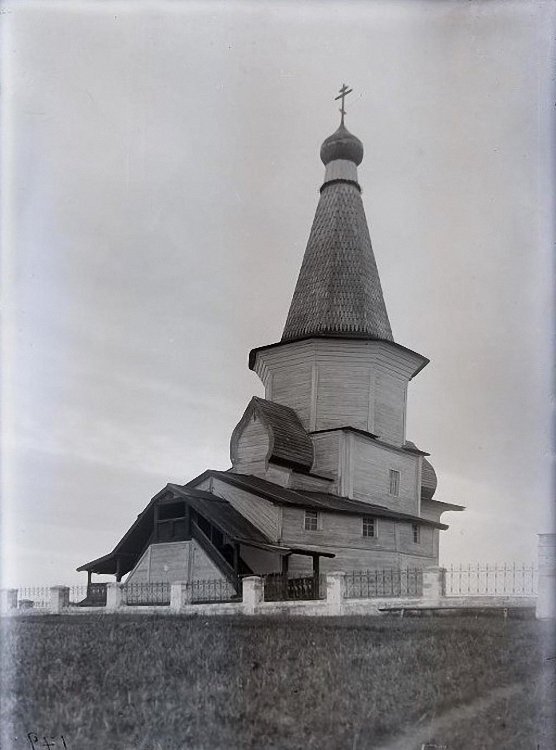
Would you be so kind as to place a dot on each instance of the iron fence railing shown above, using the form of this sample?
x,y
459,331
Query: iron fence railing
x,y
77,594
88,595
279,587
483,579
214,590
369,584
146,593
33,597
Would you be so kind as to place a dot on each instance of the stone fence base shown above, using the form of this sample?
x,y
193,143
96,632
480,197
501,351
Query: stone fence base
x,y
336,603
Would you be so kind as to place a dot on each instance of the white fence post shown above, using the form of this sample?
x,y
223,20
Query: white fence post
x,y
335,592
433,583
59,599
546,594
181,593
8,600
114,599
253,594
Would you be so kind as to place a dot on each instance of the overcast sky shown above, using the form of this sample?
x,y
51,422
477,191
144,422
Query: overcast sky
x,y
161,172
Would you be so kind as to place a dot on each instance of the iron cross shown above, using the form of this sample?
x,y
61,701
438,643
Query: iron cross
x,y
344,91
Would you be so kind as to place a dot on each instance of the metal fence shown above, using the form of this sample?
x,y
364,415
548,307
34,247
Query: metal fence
x,y
156,594
214,590
482,579
278,587
369,584
33,597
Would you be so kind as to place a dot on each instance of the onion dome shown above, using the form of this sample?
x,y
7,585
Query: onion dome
x,y
428,480
342,145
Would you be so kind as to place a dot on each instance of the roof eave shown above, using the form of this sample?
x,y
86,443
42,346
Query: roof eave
x,y
329,336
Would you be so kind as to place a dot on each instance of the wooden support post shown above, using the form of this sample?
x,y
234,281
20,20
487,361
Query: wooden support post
x,y
187,522
285,568
316,574
155,530
236,558
118,569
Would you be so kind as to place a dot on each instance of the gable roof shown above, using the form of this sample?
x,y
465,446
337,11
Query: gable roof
x,y
290,443
223,515
215,509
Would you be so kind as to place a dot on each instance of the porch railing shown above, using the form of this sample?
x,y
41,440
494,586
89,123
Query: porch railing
x,y
369,584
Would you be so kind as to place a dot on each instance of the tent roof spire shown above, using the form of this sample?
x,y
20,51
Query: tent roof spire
x,y
338,292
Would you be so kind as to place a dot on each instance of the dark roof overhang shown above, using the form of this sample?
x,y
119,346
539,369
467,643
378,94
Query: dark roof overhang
x,y
329,336
411,448
441,504
311,500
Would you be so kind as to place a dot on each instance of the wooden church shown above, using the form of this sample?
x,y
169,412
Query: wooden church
x,y
322,476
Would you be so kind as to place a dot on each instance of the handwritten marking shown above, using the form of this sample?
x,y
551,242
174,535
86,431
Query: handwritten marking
x,y
36,742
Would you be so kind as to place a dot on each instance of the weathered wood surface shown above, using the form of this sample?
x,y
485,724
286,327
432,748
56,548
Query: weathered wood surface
x,y
337,383
262,513
174,561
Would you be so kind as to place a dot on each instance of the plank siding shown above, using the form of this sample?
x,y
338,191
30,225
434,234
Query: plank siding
x,y
327,453
292,385
337,383
371,475
342,395
343,536
251,447
174,561
389,406
336,530
306,482
430,510
262,513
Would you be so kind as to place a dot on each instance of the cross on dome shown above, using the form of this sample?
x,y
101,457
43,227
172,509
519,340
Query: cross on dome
x,y
344,91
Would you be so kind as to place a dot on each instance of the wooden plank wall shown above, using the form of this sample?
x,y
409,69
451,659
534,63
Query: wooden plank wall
x,y
262,513
337,383
327,453
249,452
343,535
291,384
371,475
174,561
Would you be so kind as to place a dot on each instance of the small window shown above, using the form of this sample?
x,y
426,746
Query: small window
x,y
311,520
416,531
369,526
394,482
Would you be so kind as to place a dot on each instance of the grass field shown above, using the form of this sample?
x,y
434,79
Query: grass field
x,y
164,682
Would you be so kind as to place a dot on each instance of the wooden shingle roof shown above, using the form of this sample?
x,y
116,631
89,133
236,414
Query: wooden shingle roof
x,y
338,291
290,443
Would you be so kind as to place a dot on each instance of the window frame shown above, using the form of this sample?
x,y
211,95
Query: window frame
x,y
372,522
395,482
416,533
312,515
